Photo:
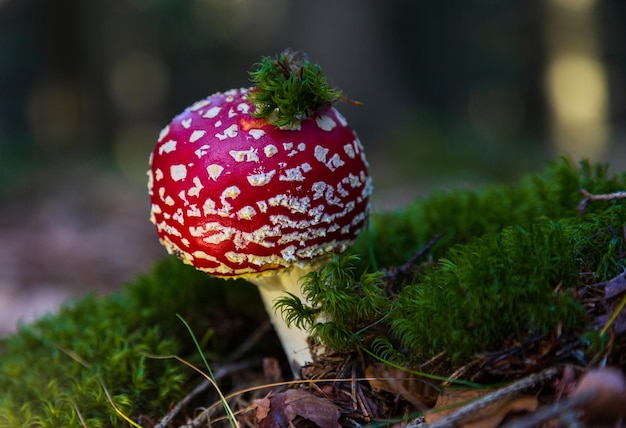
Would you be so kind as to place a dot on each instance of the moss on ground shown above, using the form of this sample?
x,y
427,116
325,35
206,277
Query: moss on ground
x,y
462,215
507,265
57,372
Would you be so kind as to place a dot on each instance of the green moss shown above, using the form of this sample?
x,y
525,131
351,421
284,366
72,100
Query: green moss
x,y
503,253
504,268
515,284
461,215
507,267
289,88
348,306
54,372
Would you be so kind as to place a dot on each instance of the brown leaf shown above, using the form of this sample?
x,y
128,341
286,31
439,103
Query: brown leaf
x,y
566,383
487,417
618,324
414,389
606,389
615,286
261,407
280,410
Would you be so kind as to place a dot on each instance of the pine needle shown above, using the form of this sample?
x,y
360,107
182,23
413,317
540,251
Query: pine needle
x,y
210,377
613,316
112,403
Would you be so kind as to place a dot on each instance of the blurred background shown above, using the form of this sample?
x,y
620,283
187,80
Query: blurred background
x,y
455,94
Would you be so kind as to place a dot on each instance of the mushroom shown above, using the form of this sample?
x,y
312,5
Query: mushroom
x,y
238,196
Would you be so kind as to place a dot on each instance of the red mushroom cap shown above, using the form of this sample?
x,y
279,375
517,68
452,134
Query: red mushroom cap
x,y
233,195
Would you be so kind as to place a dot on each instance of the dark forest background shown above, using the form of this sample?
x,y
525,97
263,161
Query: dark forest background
x,y
436,77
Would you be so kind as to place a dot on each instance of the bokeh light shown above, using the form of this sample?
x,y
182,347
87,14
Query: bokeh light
x,y
578,96
576,80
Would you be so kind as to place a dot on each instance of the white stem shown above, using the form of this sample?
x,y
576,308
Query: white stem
x,y
295,341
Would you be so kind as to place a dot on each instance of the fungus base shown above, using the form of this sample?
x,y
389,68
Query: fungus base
x,y
274,286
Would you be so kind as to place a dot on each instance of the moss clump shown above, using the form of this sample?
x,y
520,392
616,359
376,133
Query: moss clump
x,y
512,285
506,267
462,215
54,372
348,306
289,88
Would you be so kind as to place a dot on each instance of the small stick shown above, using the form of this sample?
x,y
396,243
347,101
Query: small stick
x,y
350,101
559,408
407,268
514,388
219,373
458,373
582,206
252,340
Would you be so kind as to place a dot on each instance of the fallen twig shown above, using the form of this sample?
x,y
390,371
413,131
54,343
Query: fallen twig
x,y
582,206
407,269
556,409
220,372
514,388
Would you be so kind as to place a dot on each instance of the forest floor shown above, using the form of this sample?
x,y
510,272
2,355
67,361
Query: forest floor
x,y
81,229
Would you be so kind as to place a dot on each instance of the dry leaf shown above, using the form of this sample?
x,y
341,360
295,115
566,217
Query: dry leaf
x,y
619,323
566,383
607,388
615,286
261,407
414,389
280,410
487,417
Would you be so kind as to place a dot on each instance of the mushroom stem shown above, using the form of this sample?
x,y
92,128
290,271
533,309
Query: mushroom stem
x,y
271,287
